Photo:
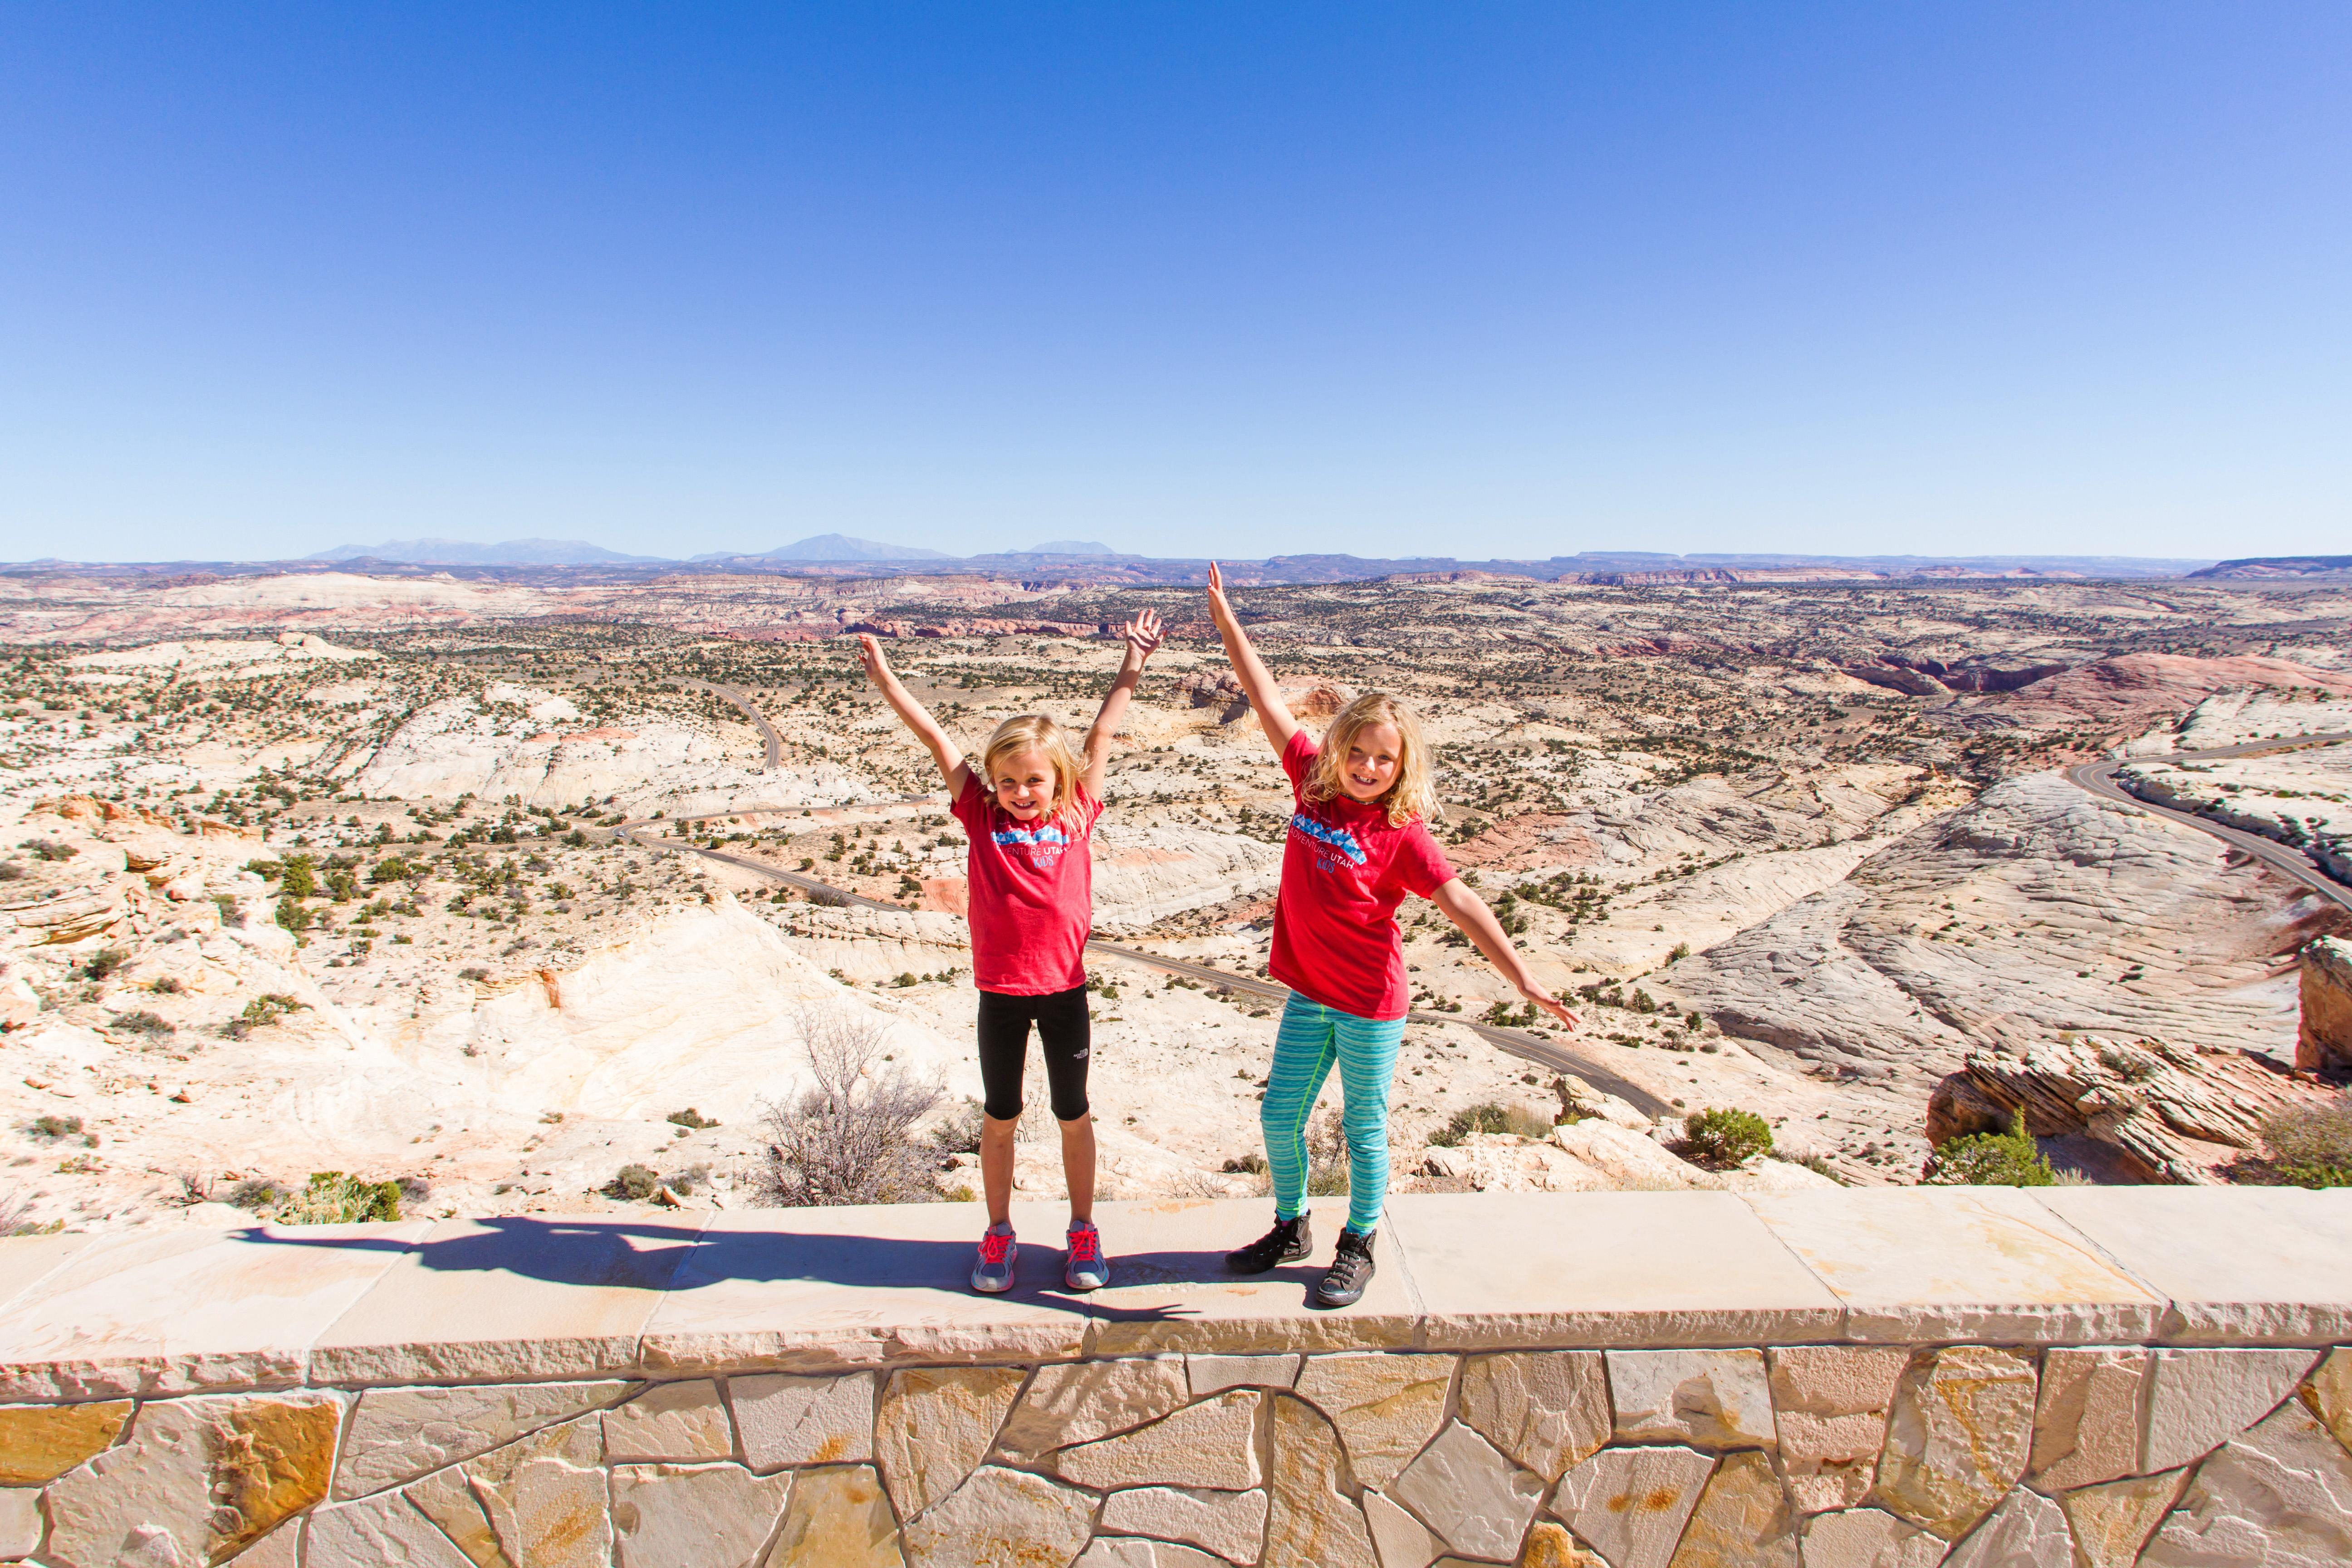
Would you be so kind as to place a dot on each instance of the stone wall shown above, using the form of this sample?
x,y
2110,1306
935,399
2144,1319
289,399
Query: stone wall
x,y
1954,1390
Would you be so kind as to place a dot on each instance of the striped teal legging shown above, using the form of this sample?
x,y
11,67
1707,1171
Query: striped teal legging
x,y
1312,1038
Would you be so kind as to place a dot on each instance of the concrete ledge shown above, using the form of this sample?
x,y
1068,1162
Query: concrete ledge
x,y
1974,1378
476,1300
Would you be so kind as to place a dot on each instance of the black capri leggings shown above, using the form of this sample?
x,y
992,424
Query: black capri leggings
x,y
1062,1035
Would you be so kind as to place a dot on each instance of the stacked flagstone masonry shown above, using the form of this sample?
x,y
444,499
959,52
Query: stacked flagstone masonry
x,y
903,1435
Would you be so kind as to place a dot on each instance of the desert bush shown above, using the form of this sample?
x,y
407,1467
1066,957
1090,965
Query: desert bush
x,y
1250,1165
2010,1159
333,1198
167,986
691,1118
1490,1117
262,1011
848,1137
143,1022
12,871
105,962
15,1218
958,1133
50,850
2311,1146
828,898
1327,1157
637,1182
1725,1137
255,1194
52,1128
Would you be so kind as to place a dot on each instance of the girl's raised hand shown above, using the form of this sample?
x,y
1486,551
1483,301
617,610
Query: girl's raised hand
x,y
1550,1003
1143,635
1220,610
869,654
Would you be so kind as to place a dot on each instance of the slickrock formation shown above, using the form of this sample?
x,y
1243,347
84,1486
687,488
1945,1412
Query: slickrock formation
x,y
2324,1040
2174,1113
2035,911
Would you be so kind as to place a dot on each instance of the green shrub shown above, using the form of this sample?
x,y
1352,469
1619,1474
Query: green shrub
x,y
1490,1117
2311,1146
637,1182
256,1193
1725,1137
691,1118
56,1127
2010,1159
334,1198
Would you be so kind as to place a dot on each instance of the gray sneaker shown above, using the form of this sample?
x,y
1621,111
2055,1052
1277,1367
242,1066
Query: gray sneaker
x,y
1085,1269
992,1275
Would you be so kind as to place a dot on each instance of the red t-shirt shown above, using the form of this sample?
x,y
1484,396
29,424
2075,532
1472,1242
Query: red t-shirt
x,y
1033,893
1344,872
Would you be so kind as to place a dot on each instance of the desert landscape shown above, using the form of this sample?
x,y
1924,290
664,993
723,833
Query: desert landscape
x,y
478,893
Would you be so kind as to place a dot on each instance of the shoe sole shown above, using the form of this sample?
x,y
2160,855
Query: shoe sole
x,y
1084,1285
988,1289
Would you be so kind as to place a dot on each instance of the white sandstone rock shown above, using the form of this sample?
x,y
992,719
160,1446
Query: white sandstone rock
x,y
1632,1503
1547,1409
1229,1523
2027,1531
1478,1500
1721,1398
2279,1495
1001,1519
396,1435
1385,1405
787,1420
676,1421
694,1516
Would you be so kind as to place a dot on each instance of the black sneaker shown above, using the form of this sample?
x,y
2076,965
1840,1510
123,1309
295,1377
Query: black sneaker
x,y
1287,1242
1351,1269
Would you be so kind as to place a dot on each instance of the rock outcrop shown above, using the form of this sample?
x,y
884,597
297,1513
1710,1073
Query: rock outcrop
x,y
2174,1115
2036,912
2323,1041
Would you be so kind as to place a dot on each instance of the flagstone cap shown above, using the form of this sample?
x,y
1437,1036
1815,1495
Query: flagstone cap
x,y
158,1312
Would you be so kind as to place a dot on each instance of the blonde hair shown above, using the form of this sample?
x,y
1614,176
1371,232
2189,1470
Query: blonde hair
x,y
1413,795
1035,732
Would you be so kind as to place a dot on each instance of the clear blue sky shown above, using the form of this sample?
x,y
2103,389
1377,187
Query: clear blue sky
x,y
1468,279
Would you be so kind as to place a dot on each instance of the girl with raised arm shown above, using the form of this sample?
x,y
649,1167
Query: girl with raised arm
x,y
1030,811
1358,843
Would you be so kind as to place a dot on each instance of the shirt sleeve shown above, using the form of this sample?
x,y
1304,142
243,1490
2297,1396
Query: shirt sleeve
x,y
1090,808
969,807
1421,866
1297,757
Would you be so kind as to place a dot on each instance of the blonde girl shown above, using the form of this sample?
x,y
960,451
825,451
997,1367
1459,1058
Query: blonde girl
x,y
1358,843
1030,811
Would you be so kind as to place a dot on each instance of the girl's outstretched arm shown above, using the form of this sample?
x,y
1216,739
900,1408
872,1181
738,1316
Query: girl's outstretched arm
x,y
1469,911
1272,713
1142,635
916,717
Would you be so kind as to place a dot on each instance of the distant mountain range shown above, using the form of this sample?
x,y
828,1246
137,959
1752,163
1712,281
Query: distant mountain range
x,y
461,553
833,547
1091,560
2261,566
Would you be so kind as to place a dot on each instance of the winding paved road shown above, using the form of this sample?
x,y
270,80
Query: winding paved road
x,y
2099,778
743,700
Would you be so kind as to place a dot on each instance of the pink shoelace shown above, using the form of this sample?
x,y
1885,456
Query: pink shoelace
x,y
1085,1244
993,1247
